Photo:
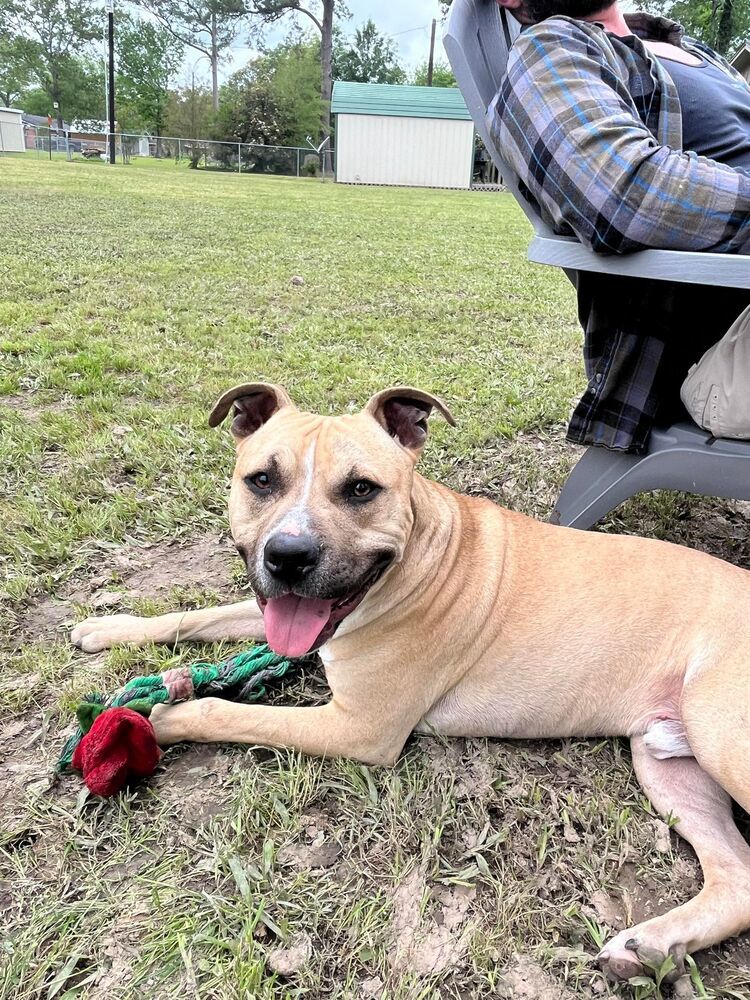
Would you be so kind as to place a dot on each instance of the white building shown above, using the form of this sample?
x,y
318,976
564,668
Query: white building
x,y
412,136
11,131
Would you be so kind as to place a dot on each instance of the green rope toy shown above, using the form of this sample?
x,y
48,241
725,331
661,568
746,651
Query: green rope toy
x,y
115,743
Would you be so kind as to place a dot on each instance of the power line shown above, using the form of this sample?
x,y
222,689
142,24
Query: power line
x,y
421,27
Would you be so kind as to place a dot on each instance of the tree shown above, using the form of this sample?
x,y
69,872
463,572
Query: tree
x,y
275,99
18,59
148,56
369,57
81,91
442,75
208,26
189,110
59,30
271,10
722,24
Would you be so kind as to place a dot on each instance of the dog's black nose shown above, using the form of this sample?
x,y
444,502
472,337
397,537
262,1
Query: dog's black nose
x,y
288,558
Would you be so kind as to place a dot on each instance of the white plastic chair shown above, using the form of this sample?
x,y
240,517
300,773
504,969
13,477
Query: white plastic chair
x,y
477,40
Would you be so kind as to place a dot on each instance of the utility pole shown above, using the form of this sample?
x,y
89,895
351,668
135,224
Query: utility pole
x,y
431,64
110,4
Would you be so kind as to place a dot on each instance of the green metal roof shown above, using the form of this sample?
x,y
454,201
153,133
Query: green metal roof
x,y
399,101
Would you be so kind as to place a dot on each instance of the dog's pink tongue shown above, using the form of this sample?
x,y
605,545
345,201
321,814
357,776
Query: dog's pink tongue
x,y
294,623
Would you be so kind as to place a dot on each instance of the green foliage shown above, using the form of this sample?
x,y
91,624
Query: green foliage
x,y
208,26
19,58
368,57
322,14
722,24
189,113
194,23
442,75
80,84
55,33
148,56
275,99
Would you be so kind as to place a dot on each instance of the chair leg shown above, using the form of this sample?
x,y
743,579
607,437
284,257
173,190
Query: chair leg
x,y
681,457
597,484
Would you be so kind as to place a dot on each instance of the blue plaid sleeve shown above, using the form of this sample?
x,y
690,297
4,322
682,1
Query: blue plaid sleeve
x,y
571,127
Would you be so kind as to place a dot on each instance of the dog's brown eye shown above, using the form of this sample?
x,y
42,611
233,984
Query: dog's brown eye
x,y
260,483
362,490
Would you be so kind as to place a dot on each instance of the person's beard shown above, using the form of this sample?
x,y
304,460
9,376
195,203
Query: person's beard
x,y
538,10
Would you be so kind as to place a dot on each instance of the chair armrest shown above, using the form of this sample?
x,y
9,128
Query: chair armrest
x,y
713,269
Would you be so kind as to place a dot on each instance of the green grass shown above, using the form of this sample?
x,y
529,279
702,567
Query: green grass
x,y
131,297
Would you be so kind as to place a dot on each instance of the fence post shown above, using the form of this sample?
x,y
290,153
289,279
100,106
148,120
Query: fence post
x,y
298,162
239,157
179,148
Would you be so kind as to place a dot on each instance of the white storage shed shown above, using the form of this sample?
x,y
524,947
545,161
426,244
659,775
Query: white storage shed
x,y
411,136
11,131
741,61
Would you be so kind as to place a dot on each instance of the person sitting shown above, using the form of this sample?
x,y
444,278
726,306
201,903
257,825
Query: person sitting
x,y
628,135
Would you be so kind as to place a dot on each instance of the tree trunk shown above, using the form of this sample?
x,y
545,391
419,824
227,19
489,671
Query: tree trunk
x,y
726,28
214,64
326,84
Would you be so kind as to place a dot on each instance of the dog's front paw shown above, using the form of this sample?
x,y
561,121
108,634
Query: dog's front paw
x,y
635,952
95,634
175,723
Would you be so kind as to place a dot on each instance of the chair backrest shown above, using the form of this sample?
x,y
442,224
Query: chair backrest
x,y
477,39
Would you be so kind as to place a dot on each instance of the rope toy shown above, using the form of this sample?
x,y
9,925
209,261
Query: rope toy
x,y
115,743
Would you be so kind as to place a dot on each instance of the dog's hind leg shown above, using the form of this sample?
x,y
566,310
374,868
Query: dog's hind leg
x,y
679,787
232,621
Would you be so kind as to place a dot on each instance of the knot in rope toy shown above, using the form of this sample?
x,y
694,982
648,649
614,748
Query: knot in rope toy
x,y
115,743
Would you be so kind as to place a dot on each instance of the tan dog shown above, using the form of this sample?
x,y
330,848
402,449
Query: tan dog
x,y
442,613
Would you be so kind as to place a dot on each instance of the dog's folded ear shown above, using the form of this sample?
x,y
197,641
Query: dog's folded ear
x,y
254,404
403,412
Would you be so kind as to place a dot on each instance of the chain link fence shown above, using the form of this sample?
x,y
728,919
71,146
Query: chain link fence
x,y
198,154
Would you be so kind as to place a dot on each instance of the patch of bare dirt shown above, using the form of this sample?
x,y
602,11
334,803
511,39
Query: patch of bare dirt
x,y
470,760
288,960
641,898
194,782
719,527
525,979
22,770
119,951
131,572
434,938
607,910
306,857
31,405
44,619
206,563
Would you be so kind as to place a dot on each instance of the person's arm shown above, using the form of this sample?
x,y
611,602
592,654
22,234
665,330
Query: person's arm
x,y
568,127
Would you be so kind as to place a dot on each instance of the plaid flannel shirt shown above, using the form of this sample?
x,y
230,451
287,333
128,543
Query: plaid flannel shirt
x,y
591,124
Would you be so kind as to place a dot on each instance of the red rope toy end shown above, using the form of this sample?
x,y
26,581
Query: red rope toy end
x,y
119,748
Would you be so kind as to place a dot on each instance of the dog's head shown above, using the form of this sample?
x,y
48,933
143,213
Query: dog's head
x,y
320,507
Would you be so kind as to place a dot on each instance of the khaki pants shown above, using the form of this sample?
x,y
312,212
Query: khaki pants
x,y
716,392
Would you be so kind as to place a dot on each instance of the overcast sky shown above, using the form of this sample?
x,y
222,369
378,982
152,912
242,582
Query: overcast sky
x,y
407,23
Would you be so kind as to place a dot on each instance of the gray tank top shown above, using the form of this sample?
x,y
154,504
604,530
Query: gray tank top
x,y
715,112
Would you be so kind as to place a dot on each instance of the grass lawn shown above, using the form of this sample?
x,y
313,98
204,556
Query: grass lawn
x,y
130,298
